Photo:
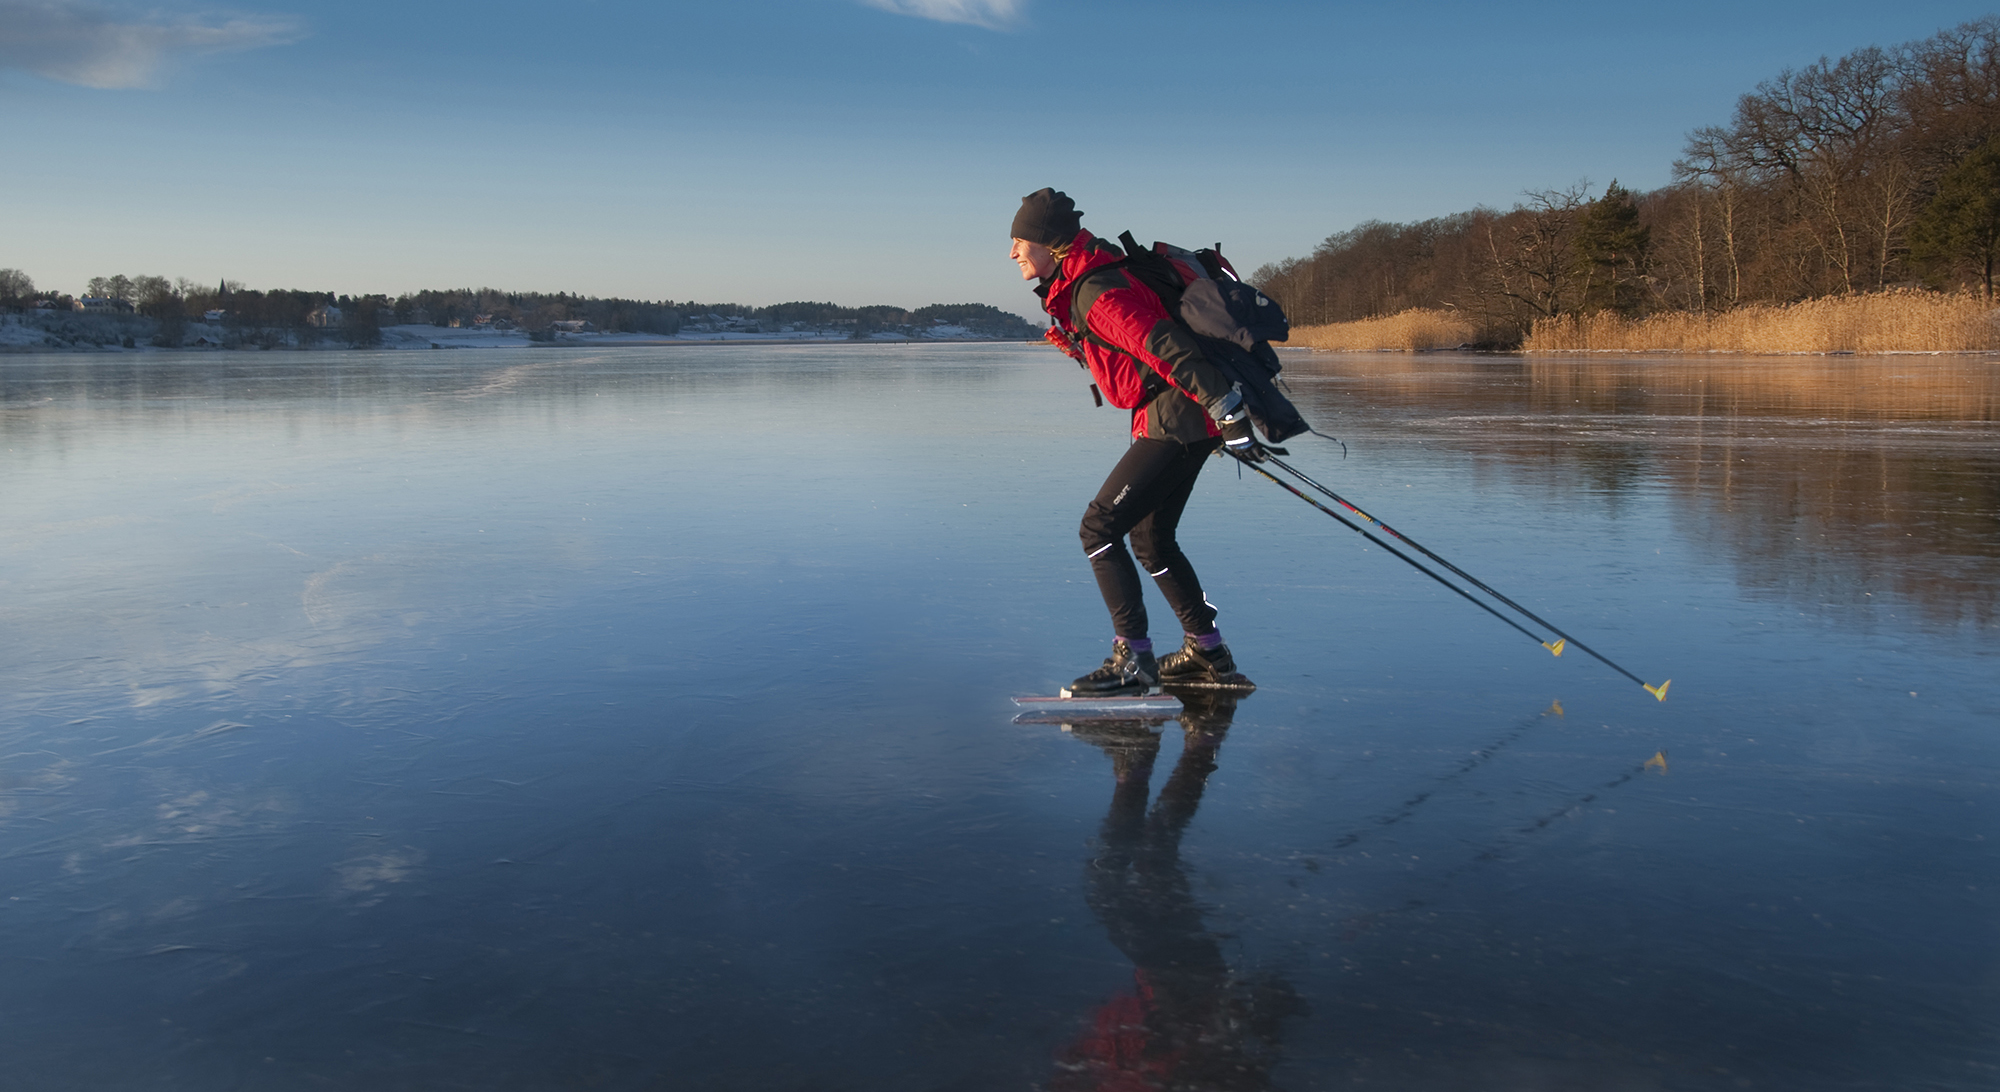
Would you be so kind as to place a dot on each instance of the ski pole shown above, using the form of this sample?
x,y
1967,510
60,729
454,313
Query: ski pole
x,y
1407,559
1563,639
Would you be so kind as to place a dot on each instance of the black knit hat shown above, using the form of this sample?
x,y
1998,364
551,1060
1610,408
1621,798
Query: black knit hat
x,y
1047,217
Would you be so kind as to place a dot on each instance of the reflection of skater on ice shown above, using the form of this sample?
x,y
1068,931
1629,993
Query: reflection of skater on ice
x,y
1189,1022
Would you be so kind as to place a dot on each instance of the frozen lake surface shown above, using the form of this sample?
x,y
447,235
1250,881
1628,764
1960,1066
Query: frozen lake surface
x,y
639,719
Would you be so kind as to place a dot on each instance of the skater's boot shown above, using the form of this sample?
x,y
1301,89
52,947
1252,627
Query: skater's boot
x,y
1192,663
1124,672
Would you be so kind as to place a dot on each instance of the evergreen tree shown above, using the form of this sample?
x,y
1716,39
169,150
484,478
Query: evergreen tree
x,y
1961,225
1611,252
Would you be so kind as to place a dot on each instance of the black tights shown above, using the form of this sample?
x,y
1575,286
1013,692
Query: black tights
x,y
1143,498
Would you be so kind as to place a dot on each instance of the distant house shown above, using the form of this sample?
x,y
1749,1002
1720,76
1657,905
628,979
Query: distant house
x,y
573,326
215,317
101,305
329,315
420,316
482,322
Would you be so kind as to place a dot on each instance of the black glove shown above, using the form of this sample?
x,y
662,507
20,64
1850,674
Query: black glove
x,y
1238,439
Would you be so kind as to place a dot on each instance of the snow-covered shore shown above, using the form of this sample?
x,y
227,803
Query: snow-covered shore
x,y
427,337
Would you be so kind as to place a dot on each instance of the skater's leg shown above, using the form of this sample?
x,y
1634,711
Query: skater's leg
x,y
1154,540
1130,493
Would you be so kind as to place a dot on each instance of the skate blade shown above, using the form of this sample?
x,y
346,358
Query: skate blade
x,y
1234,683
1065,694
1044,710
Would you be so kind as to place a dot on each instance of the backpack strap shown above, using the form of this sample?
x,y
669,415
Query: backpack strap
x,y
1150,383
1083,325
1156,273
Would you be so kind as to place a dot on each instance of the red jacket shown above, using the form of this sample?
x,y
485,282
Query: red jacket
x,y
1141,358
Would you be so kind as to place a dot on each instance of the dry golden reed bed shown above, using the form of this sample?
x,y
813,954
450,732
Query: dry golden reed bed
x,y
1408,331
1898,320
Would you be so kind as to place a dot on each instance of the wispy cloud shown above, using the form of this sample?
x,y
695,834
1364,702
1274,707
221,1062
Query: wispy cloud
x,y
991,14
96,46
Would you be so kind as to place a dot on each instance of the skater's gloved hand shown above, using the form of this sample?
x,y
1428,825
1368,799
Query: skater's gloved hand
x,y
1237,437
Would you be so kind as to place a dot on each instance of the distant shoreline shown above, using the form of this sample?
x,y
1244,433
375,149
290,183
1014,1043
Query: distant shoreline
x,y
121,334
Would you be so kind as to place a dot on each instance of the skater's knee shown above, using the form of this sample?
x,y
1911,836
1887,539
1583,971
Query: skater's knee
x,y
1097,533
1156,555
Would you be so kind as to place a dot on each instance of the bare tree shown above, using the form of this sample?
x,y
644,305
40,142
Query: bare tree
x,y
1951,94
1719,184
16,285
1819,140
1533,250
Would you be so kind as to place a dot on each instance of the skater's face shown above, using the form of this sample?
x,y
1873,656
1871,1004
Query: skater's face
x,y
1035,260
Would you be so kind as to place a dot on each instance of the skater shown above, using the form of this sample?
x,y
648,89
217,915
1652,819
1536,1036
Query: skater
x,y
1183,409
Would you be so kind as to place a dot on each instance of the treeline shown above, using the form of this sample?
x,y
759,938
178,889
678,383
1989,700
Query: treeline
x,y
1877,170
301,317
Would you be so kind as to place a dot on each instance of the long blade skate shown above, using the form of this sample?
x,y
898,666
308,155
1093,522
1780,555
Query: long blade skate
x,y
1045,710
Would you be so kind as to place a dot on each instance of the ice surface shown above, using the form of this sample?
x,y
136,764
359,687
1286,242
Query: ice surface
x,y
635,718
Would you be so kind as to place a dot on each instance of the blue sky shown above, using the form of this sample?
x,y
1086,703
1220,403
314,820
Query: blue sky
x,y
861,152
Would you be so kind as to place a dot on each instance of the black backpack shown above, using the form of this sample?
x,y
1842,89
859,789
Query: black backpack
x,y
1232,322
